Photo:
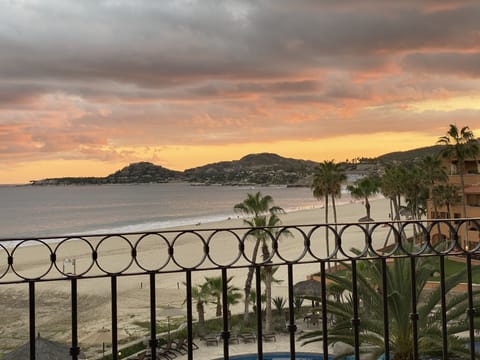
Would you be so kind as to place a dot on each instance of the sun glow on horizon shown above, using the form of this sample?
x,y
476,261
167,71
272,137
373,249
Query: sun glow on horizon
x,y
180,157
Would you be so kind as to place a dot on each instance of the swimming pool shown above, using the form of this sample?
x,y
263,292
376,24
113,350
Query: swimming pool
x,y
280,356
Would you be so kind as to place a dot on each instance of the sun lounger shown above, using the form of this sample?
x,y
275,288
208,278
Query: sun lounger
x,y
211,340
248,338
234,339
269,337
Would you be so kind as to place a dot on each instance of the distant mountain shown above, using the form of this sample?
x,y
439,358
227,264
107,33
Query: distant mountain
x,y
410,154
143,172
263,168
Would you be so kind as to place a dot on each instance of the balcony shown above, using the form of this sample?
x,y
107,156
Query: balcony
x,y
72,287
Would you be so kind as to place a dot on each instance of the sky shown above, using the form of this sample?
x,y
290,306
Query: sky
x,y
87,87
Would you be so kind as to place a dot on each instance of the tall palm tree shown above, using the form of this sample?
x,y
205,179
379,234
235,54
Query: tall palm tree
x,y
200,296
391,186
262,213
460,145
399,305
214,288
446,195
365,188
328,178
434,173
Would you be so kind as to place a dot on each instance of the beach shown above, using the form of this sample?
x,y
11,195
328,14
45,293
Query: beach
x,y
53,298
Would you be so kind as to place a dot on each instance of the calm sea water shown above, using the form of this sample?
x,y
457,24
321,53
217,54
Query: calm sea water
x,y
28,211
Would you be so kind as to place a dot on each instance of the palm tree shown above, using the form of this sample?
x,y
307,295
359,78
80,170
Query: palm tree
x,y
327,181
434,173
460,145
446,195
392,187
263,214
214,288
328,178
399,306
365,188
200,296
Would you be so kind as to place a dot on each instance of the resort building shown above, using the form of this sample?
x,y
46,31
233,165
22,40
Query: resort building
x,y
471,176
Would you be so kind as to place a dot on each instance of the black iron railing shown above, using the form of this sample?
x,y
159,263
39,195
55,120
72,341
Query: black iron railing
x,y
75,259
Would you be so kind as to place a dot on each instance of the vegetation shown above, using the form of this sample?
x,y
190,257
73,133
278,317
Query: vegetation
x,y
399,306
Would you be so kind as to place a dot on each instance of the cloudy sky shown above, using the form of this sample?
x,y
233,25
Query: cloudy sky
x,y
87,87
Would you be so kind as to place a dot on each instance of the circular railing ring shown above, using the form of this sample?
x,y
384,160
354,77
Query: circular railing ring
x,y
19,246
209,244
336,241
434,226
62,243
137,252
367,240
396,237
423,248
204,249
7,267
286,230
269,236
98,257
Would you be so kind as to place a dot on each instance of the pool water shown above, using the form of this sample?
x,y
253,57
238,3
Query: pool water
x,y
281,356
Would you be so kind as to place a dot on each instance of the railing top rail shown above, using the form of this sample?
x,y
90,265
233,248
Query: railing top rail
x,y
179,250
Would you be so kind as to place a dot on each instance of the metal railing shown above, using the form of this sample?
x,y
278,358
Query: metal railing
x,y
153,255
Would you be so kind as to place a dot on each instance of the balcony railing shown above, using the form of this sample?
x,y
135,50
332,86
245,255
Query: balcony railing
x,y
183,254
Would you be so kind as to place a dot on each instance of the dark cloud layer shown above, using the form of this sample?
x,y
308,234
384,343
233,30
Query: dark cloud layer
x,y
76,74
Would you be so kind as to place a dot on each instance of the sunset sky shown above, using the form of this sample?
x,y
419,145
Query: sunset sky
x,y
87,87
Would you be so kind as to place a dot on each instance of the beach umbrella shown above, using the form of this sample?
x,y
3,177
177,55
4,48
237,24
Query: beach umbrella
x,y
168,312
365,219
44,350
308,289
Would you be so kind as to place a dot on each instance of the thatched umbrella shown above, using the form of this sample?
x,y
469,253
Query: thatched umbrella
x,y
365,219
308,289
44,350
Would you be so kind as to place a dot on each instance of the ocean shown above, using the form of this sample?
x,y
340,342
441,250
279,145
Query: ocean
x,y
42,211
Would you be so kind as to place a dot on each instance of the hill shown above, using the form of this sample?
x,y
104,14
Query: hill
x,y
263,168
410,154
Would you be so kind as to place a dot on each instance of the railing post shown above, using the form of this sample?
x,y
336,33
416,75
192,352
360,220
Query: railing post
x,y
444,306
355,319
323,285
31,295
258,289
114,317
226,330
189,314
414,314
471,309
153,317
292,327
74,350
386,331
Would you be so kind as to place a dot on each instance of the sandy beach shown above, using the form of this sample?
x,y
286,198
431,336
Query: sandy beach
x,y
53,298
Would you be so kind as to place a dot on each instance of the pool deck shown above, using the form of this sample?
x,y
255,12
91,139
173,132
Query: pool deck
x,y
282,344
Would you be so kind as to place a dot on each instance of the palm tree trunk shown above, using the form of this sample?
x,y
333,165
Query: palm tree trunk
x,y
248,282
326,229
201,318
464,203
268,289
